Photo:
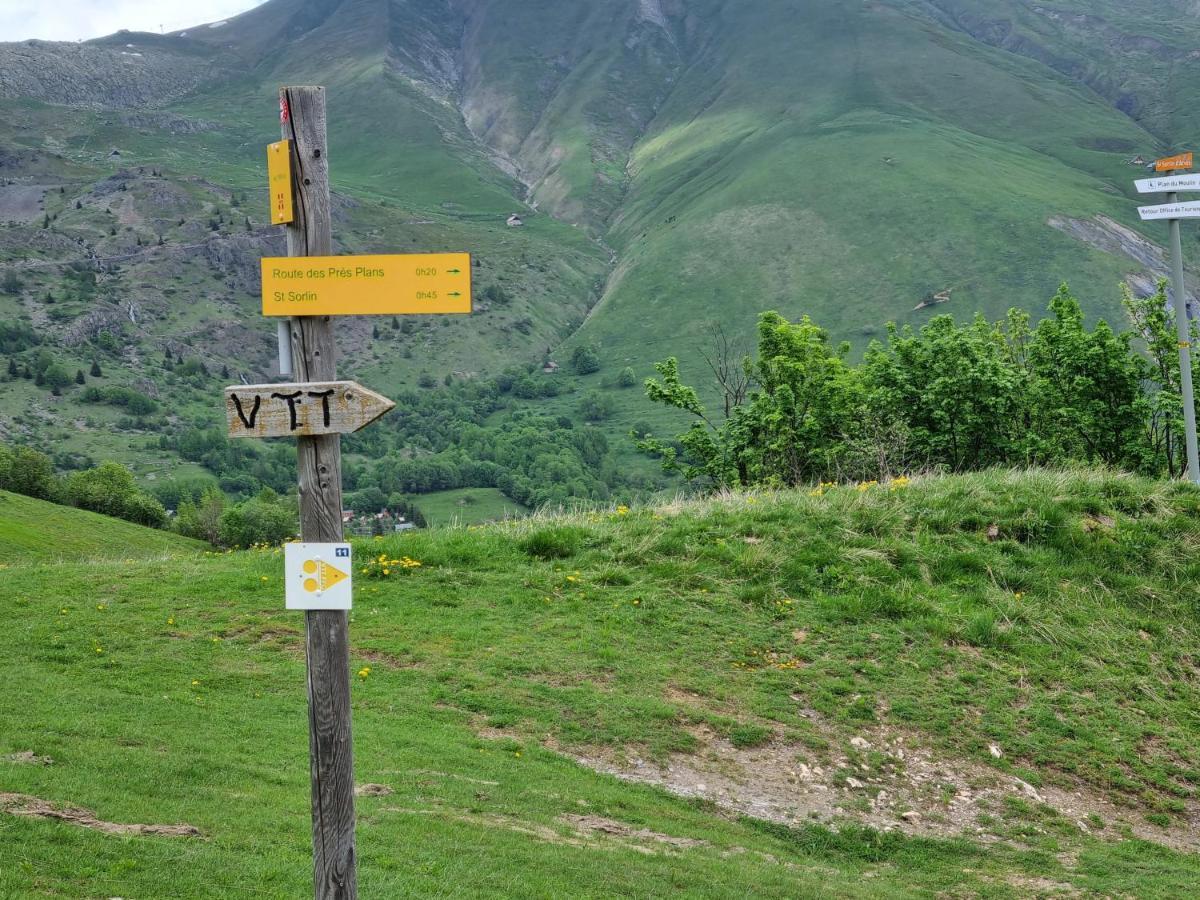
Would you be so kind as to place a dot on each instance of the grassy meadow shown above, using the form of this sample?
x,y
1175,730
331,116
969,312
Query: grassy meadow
x,y
1032,628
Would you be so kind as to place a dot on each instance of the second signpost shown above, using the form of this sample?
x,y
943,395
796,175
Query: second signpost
x,y
1173,211
316,410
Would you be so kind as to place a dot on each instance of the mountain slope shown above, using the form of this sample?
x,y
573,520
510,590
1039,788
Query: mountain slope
x,y
690,163
36,531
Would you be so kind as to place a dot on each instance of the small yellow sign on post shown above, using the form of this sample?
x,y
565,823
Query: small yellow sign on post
x,y
1172,163
386,285
279,178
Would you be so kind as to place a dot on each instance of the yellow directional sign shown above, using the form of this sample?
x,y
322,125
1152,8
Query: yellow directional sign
x,y
279,180
394,284
1172,163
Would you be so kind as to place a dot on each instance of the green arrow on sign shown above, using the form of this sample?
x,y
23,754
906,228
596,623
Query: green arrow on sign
x,y
454,271
453,294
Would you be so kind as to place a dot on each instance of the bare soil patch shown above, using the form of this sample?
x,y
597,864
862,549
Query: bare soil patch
x,y
27,758
881,778
600,825
372,790
35,807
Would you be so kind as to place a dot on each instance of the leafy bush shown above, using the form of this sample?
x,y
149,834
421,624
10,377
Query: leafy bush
x,y
944,396
28,472
260,520
15,337
109,489
585,360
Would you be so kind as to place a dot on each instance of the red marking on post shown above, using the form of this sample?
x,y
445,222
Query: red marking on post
x,y
284,113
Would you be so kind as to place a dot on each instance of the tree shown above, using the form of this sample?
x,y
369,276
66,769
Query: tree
x,y
954,388
1087,388
627,378
596,407
729,366
79,379
202,519
26,471
56,377
109,489
1154,323
585,360
11,283
12,367
494,293
96,373
259,520
793,430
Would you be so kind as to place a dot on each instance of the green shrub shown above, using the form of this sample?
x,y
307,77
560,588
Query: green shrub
x,y
258,521
110,490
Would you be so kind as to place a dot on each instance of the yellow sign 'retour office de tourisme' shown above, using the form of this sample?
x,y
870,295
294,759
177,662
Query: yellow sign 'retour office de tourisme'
x,y
391,284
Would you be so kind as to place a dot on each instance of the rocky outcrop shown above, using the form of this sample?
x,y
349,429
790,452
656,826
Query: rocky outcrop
x,y
134,76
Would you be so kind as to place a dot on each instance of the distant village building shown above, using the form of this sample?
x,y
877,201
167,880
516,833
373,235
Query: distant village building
x,y
550,367
368,524
514,221
1138,161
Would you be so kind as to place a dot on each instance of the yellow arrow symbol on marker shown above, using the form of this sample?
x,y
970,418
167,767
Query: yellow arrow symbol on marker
x,y
327,576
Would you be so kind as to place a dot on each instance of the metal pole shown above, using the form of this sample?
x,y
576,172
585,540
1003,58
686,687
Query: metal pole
x,y
1184,331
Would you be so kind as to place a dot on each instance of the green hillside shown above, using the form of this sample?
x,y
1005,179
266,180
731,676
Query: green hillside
x,y
964,686
36,531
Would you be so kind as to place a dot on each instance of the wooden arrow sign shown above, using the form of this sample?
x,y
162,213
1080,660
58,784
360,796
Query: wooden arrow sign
x,y
294,410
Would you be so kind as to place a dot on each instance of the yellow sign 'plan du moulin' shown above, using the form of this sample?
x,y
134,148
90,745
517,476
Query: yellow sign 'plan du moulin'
x,y
393,284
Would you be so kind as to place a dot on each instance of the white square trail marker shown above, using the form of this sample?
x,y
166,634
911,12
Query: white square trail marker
x,y
317,576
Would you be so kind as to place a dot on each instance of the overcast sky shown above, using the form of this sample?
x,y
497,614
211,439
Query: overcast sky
x,y
72,20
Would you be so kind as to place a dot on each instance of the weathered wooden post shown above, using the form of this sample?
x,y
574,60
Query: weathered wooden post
x,y
316,411
319,460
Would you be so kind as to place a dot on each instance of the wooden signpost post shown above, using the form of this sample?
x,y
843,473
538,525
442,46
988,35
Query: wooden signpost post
x,y
316,410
